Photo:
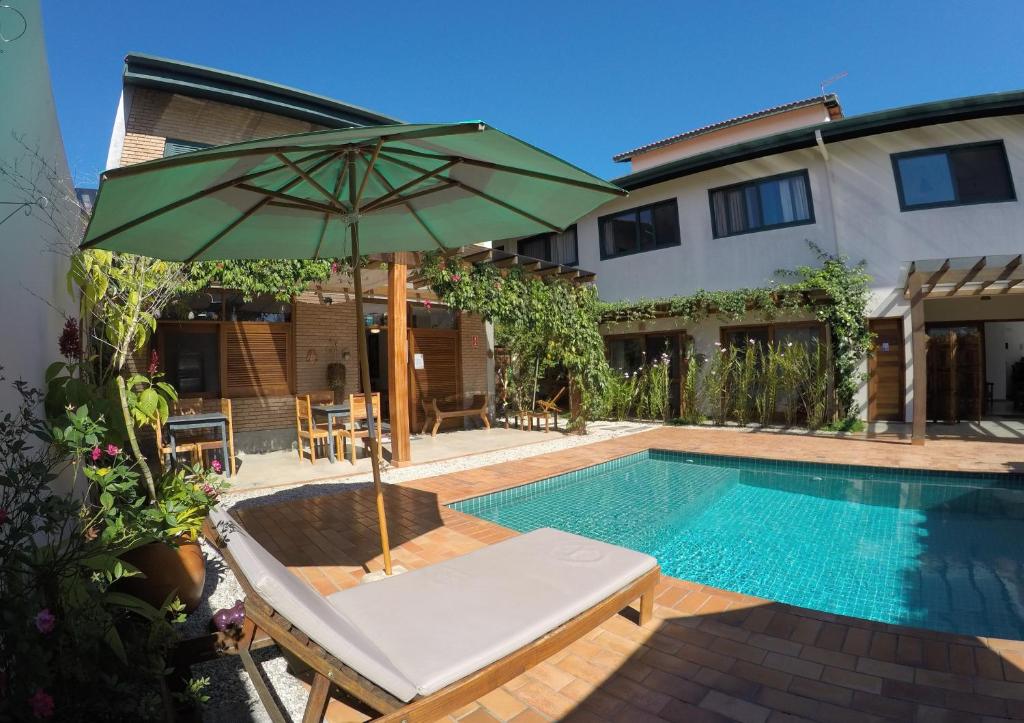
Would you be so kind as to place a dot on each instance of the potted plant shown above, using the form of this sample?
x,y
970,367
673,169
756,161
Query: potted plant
x,y
173,562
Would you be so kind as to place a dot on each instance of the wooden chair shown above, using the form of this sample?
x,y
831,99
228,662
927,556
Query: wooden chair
x,y
550,407
208,445
355,428
306,427
188,405
477,407
334,636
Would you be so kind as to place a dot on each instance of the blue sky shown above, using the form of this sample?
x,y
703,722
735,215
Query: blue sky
x,y
583,80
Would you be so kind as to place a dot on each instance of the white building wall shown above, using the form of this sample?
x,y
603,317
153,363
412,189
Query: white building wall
x,y
33,292
857,213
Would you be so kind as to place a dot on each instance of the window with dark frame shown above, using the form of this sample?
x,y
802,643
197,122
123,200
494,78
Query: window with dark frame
x,y
762,204
559,248
644,228
953,176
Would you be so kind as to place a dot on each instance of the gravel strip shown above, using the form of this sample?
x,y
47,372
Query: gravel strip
x,y
232,695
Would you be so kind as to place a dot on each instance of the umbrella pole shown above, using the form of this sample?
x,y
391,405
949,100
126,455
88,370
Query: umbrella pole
x,y
364,376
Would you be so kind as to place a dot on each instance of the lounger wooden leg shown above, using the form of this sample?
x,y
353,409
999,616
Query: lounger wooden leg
x,y
319,697
487,422
437,425
249,630
646,607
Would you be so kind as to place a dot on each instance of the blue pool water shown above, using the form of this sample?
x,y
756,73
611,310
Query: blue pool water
x,y
936,550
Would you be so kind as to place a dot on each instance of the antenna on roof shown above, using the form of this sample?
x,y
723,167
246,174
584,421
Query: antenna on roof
x,y
829,81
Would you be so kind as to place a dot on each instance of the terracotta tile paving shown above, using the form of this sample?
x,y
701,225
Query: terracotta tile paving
x,y
709,654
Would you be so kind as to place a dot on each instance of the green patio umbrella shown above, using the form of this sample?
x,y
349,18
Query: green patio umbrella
x,y
342,193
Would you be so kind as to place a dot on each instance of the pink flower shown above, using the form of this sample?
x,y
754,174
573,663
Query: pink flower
x,y
427,304
334,267
96,454
41,703
216,466
4,516
154,363
70,344
45,621
208,490
456,277
113,449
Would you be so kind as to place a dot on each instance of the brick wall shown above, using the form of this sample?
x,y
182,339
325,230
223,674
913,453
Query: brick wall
x,y
323,332
154,116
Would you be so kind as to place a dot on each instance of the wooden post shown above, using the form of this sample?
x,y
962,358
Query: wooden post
x,y
398,359
919,352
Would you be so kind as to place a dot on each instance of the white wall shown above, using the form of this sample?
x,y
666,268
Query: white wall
x,y
31,275
1004,346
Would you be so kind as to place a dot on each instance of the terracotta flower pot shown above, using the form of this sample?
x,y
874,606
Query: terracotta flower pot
x,y
167,568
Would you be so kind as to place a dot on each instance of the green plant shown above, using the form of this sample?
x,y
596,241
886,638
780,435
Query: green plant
x,y
766,401
541,323
280,278
691,407
184,498
652,389
745,375
718,390
71,646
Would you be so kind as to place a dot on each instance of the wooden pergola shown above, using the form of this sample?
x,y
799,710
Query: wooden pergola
x,y
398,285
945,278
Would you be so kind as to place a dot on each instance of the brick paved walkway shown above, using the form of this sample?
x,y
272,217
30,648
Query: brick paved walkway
x,y
709,655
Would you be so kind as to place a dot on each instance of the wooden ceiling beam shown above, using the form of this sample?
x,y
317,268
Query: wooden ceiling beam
x,y
968,277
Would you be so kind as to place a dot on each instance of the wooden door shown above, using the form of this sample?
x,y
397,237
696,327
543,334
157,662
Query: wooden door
x,y
886,371
441,375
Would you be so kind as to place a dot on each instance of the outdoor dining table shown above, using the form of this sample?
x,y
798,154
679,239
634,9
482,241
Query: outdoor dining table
x,y
331,411
208,420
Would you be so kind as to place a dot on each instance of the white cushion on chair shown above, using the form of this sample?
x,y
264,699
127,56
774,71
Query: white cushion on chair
x,y
307,609
446,621
415,633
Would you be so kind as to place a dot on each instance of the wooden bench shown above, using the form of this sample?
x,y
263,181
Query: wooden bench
x,y
477,407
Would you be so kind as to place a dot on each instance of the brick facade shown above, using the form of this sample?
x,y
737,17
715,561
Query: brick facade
x,y
152,116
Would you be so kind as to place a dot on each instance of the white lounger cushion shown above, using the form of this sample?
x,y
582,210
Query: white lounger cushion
x,y
307,609
446,621
415,633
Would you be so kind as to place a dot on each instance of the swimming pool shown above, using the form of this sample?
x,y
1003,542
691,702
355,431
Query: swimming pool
x,y
938,550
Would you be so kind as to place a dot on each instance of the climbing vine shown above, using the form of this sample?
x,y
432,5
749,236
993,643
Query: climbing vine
x,y
281,278
845,285
542,324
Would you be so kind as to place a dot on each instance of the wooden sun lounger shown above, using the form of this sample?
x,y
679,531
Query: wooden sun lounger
x,y
477,408
264,625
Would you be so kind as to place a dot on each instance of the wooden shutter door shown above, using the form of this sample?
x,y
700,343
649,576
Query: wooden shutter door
x,y
886,371
441,375
256,359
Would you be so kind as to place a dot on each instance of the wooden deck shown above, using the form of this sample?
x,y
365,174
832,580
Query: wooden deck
x,y
709,655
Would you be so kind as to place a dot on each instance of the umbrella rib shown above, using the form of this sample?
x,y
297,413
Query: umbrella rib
x,y
311,181
442,186
184,201
412,211
338,186
614,191
484,195
292,200
252,209
383,200
366,176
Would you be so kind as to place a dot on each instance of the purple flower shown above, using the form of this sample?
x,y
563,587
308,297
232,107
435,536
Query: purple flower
x,y
154,363
45,621
216,466
113,449
96,454
41,703
208,490
70,343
